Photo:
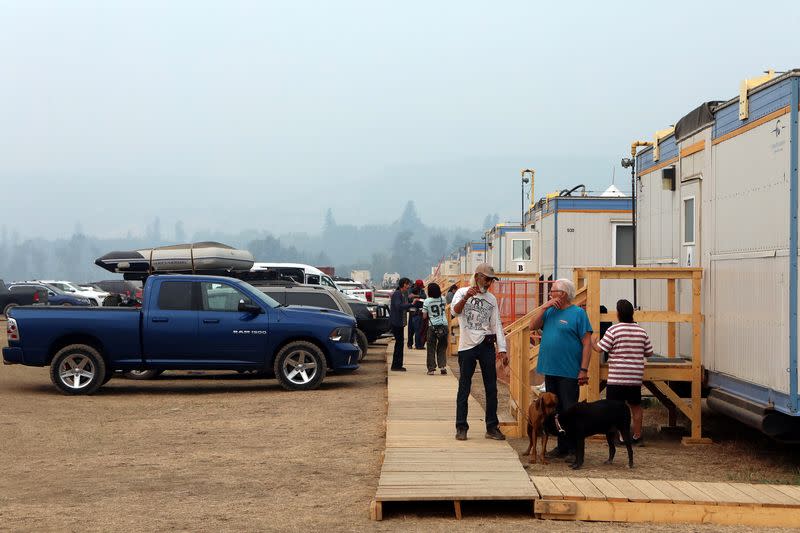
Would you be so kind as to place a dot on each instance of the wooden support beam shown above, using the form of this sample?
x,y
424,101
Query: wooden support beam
x,y
676,400
671,329
652,316
457,508
376,510
593,310
671,409
697,357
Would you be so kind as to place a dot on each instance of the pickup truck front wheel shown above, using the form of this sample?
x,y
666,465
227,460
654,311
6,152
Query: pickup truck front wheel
x,y
300,365
78,369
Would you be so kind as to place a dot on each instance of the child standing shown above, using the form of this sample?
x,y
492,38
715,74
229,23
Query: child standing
x,y
433,310
627,344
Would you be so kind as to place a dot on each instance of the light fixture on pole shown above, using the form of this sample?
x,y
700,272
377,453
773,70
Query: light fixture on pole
x,y
525,180
630,162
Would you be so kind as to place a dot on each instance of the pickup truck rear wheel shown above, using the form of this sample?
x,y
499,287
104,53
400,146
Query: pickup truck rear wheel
x,y
363,344
300,365
78,369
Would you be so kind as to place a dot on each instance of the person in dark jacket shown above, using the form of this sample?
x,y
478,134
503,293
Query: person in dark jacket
x,y
398,311
417,297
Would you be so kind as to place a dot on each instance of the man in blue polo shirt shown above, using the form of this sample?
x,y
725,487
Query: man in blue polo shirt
x,y
565,349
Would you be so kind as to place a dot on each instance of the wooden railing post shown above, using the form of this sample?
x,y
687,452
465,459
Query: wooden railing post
x,y
697,357
524,372
671,327
593,310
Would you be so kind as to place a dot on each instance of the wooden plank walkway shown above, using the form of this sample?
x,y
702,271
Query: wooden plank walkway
x,y
639,500
423,461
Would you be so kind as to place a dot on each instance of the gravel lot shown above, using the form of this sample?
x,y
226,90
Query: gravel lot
x,y
222,452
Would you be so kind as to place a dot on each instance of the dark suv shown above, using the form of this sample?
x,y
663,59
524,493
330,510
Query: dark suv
x,y
372,319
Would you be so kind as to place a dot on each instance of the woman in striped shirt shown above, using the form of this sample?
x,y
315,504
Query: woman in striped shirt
x,y
627,344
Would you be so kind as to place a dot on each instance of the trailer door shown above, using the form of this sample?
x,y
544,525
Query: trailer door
x,y
690,256
690,223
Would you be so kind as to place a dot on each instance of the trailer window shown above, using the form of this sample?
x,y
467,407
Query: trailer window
x,y
522,249
623,245
688,221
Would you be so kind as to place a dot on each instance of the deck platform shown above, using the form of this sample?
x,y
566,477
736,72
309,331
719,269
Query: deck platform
x,y
423,460
638,500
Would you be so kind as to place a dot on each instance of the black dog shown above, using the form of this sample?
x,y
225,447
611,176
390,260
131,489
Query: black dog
x,y
586,419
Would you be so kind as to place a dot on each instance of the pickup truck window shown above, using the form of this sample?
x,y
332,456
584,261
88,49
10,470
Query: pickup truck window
x,y
175,296
221,297
312,299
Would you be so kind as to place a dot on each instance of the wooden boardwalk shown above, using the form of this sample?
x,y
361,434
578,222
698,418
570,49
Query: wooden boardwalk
x,y
423,460
638,500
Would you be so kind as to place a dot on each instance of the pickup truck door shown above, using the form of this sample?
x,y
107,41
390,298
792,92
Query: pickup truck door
x,y
227,335
169,331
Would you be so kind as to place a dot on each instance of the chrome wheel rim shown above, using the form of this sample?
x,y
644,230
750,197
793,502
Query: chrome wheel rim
x,y
300,367
76,371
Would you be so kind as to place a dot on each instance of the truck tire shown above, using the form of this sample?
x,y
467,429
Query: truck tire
x,y
8,308
300,365
142,374
78,369
363,344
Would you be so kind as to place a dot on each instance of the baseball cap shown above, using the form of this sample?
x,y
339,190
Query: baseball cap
x,y
419,283
487,270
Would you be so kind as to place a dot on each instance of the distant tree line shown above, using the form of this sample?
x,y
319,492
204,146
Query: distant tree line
x,y
406,246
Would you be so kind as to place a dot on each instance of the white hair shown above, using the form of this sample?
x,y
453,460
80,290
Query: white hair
x,y
567,286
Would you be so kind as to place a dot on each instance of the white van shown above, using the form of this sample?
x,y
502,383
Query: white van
x,y
299,272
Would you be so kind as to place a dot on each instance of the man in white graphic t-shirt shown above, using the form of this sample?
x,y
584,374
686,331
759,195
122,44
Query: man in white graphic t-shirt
x,y
479,329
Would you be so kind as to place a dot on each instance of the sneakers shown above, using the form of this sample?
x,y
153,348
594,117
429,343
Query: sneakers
x,y
443,371
431,372
461,434
495,434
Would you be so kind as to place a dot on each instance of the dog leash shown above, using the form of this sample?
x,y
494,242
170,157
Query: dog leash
x,y
558,426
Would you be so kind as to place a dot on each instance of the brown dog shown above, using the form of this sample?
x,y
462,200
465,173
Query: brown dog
x,y
544,406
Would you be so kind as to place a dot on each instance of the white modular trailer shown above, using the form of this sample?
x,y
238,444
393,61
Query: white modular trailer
x,y
584,231
511,248
722,193
474,255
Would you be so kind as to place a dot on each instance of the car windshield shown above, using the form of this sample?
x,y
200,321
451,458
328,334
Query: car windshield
x,y
260,296
63,286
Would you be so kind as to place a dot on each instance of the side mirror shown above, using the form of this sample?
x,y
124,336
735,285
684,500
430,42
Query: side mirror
x,y
249,308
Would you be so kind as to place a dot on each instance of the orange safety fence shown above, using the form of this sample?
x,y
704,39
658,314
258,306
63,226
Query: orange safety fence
x,y
517,298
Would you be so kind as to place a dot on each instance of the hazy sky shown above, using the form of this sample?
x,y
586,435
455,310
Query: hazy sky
x,y
263,114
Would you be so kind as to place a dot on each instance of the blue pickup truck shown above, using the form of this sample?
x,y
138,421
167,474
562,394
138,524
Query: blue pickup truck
x,y
186,322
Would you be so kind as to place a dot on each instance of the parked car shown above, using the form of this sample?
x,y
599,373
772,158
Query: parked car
x,y
95,297
28,296
55,296
354,289
294,294
298,272
187,322
372,318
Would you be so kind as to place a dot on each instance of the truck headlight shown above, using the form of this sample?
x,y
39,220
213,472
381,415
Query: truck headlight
x,y
341,335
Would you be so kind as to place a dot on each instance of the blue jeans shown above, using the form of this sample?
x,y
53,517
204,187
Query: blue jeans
x,y
484,355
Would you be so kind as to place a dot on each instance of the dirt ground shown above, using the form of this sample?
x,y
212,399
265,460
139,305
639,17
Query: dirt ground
x,y
221,452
